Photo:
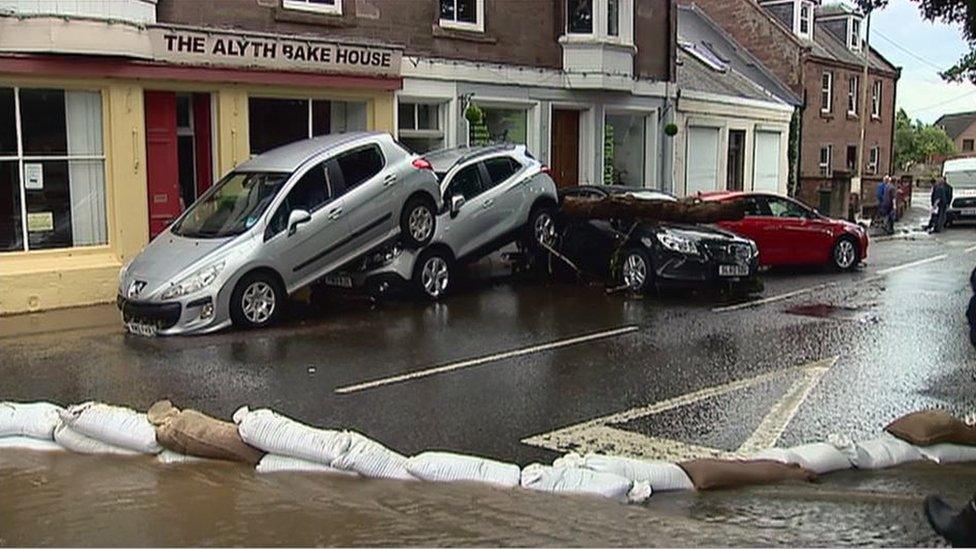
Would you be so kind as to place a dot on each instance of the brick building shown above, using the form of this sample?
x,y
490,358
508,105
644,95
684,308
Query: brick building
x,y
961,128
817,51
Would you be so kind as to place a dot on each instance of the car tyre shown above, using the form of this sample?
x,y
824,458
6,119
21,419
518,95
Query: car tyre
x,y
257,301
540,228
636,271
417,222
845,255
433,275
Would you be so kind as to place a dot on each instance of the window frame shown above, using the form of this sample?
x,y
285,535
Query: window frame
x,y
876,91
600,23
305,5
309,114
853,87
972,145
454,24
874,158
854,34
22,157
804,4
826,168
827,86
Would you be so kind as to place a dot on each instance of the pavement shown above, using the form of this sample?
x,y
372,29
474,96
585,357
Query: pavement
x,y
521,369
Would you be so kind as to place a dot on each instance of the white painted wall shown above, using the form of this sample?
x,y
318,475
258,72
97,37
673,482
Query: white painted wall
x,y
134,11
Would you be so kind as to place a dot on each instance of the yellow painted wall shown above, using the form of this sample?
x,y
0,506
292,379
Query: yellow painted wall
x,y
48,279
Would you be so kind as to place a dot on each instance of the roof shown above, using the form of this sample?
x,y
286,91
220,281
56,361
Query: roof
x,y
746,77
444,159
290,157
956,123
826,45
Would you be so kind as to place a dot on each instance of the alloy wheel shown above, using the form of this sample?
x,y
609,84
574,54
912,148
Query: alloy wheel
x,y
544,229
435,276
844,254
421,223
634,271
258,302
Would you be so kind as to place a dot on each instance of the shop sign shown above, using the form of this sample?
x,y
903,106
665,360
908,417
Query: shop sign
x,y
33,176
183,46
40,221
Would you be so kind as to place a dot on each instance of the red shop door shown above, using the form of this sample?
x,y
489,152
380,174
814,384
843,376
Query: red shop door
x,y
162,168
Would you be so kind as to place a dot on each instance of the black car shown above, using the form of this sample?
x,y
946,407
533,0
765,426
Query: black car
x,y
644,255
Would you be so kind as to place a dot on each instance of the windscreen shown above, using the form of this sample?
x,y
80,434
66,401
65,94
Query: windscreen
x,y
233,206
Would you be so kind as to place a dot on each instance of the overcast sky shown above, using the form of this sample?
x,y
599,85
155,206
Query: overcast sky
x,y
930,47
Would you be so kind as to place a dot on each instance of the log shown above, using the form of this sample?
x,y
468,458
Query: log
x,y
689,210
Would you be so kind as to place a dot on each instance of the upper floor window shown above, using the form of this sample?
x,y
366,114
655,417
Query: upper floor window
x,y
805,23
466,15
579,14
967,145
827,92
852,85
854,39
826,158
607,19
873,157
876,99
331,7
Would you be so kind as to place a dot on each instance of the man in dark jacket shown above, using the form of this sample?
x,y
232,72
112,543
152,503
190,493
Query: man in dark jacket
x,y
886,204
940,204
958,527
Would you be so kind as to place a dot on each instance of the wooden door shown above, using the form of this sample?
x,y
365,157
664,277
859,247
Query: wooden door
x,y
162,167
565,147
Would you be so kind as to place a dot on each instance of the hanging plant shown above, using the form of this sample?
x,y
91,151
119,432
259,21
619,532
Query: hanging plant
x,y
474,114
671,130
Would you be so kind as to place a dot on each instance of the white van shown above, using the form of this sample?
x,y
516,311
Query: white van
x,y
961,174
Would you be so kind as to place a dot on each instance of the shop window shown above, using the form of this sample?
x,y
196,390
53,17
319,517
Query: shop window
x,y
52,179
330,7
466,15
506,125
419,126
624,149
274,122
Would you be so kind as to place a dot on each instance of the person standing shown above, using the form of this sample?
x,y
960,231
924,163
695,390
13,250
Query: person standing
x,y
886,204
939,206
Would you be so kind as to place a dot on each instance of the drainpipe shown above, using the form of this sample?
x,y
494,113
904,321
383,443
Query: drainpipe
x,y
864,120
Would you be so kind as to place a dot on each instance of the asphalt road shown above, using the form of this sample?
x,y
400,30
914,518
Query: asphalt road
x,y
522,370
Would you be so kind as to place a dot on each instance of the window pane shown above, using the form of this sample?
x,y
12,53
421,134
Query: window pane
x,y
506,125
579,16
466,183
347,116
360,165
499,169
427,118
311,192
276,122
447,9
182,111
83,110
321,118
467,11
8,128
11,224
42,120
613,17
48,204
86,183
405,116
624,149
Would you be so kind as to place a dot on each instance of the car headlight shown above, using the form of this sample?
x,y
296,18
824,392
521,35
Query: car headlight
x,y
678,243
196,281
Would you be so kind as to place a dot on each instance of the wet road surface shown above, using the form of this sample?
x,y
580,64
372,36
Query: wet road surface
x,y
522,370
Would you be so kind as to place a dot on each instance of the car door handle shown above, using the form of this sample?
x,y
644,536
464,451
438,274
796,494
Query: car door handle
x,y
488,203
389,180
335,213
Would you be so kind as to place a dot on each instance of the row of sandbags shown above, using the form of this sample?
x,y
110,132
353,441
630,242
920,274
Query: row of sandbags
x,y
272,442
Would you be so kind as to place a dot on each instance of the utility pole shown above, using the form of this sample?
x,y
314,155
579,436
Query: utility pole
x,y
863,114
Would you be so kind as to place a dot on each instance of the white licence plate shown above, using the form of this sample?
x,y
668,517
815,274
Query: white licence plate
x,y
733,270
138,328
967,211
343,281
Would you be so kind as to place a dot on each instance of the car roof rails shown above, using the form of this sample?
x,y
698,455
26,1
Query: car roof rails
x,y
478,152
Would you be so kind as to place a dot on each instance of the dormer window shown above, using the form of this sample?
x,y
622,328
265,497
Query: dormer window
x,y
854,37
805,20
604,20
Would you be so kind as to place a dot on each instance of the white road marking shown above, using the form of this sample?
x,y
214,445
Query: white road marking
x,y
600,435
801,291
970,249
485,359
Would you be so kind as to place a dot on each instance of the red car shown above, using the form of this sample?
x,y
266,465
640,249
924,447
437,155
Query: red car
x,y
788,232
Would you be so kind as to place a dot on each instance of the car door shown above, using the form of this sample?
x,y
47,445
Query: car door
x,y
798,237
757,225
359,178
314,247
471,227
506,192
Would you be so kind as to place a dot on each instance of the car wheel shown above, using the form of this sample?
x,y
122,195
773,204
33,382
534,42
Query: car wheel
x,y
433,274
258,300
635,270
541,228
417,222
845,255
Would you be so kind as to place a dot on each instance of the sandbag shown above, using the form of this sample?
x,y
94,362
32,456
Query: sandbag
x,y
884,451
272,463
948,453
113,425
819,457
662,476
77,442
29,443
196,434
169,457
448,467
372,460
929,427
717,474
29,419
583,481
276,434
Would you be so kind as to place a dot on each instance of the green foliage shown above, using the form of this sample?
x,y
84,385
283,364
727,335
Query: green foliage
x,y
477,128
671,130
793,152
917,142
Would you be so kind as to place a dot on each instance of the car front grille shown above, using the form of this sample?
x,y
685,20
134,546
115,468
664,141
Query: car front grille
x,y
727,252
162,315
969,202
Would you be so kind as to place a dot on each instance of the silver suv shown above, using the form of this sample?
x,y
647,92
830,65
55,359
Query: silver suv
x,y
277,223
493,196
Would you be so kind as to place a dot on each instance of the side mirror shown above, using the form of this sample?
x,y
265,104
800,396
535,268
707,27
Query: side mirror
x,y
456,202
296,218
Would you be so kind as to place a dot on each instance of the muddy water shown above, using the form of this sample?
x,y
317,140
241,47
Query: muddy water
x,y
66,499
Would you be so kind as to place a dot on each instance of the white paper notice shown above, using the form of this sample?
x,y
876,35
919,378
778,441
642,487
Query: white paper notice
x,y
34,176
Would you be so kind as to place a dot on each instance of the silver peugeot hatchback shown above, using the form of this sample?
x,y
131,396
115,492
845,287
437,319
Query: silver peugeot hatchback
x,y
274,225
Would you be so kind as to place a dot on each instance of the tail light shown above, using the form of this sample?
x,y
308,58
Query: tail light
x,y
422,164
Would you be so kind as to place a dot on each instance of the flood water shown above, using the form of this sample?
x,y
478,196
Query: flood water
x,y
64,499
